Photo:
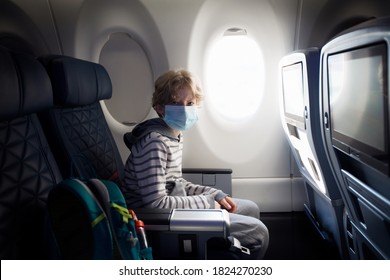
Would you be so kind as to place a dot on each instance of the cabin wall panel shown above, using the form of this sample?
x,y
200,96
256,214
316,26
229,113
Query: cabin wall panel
x,y
256,149
30,21
175,20
321,20
270,194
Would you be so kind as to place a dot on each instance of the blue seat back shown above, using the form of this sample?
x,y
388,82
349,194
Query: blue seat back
x,y
27,167
324,205
79,134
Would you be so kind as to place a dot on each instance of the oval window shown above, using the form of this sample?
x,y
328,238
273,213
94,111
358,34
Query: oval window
x,y
235,76
131,76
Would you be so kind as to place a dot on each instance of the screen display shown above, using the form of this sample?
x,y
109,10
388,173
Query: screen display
x,y
358,99
293,90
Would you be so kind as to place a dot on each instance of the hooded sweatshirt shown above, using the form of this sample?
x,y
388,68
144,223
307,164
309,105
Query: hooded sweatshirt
x,y
153,176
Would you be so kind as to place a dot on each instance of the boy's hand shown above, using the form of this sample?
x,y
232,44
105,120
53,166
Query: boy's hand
x,y
228,204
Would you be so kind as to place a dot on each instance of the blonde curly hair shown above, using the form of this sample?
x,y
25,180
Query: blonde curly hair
x,y
169,83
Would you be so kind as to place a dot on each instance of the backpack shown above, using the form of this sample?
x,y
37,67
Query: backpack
x,y
90,220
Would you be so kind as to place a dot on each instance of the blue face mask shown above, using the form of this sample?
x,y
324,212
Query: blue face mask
x,y
180,117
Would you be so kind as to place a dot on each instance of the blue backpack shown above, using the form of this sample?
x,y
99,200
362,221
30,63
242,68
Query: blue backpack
x,y
90,220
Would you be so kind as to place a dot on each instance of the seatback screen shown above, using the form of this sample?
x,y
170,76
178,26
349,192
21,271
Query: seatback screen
x,y
359,100
293,91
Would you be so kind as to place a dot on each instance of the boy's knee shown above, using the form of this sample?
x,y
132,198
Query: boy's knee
x,y
248,208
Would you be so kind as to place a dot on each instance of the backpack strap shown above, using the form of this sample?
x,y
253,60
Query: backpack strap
x,y
121,221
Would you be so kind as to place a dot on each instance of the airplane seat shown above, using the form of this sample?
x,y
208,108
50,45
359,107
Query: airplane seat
x,y
76,127
301,116
27,167
355,130
83,144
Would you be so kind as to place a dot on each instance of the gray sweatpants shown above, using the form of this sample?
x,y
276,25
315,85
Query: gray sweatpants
x,y
245,225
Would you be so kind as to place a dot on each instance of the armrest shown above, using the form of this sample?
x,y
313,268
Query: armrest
x,y
154,219
183,233
191,234
196,220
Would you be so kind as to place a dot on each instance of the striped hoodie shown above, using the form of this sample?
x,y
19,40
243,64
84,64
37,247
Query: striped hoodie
x,y
153,176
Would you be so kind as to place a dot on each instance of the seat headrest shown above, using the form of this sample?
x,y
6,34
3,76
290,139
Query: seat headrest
x,y
77,82
24,85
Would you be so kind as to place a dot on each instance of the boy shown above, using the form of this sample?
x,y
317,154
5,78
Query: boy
x,y
153,177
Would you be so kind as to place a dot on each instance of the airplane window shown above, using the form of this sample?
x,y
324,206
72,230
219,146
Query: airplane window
x,y
131,76
234,78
